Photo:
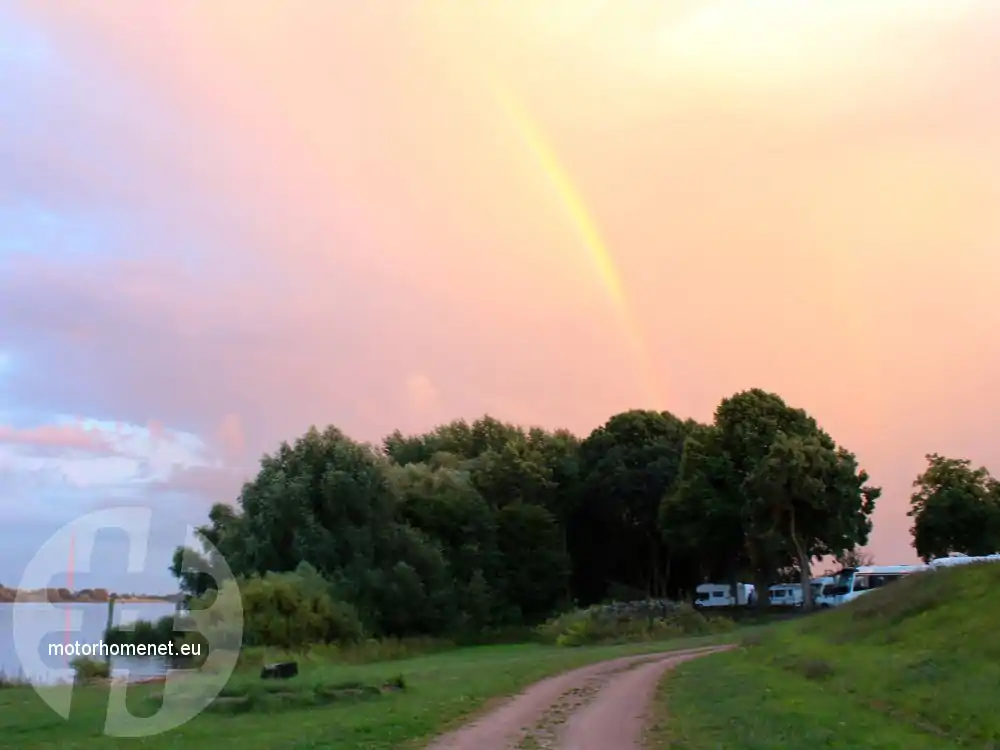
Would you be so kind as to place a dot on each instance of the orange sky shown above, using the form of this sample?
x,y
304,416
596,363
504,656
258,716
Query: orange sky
x,y
802,198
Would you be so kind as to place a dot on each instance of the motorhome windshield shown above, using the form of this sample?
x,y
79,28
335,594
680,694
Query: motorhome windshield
x,y
843,582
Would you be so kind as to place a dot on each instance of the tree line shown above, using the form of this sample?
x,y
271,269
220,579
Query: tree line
x,y
487,524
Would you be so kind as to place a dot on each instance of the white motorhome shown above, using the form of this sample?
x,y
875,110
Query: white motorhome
x,y
785,595
958,559
850,583
721,595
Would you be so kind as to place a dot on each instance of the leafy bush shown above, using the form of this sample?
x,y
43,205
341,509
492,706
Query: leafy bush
x,y
88,670
647,620
9,681
143,632
287,610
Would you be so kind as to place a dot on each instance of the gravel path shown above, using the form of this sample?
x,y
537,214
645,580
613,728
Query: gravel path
x,y
598,707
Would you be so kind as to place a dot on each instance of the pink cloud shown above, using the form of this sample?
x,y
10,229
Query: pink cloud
x,y
61,437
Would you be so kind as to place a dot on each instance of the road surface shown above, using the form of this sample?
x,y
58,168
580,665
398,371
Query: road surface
x,y
602,706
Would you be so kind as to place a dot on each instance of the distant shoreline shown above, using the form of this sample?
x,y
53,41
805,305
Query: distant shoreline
x,y
118,600
84,596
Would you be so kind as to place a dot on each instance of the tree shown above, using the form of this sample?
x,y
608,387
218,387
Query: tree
x,y
626,467
536,566
328,501
795,493
748,423
702,515
816,497
955,508
199,570
445,506
854,558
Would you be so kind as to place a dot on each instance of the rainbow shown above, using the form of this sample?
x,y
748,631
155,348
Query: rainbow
x,y
586,228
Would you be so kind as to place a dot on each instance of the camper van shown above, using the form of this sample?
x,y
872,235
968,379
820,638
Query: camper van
x,y
850,583
785,595
721,595
957,559
818,584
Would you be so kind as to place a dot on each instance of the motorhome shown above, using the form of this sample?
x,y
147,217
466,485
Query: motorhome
x,y
958,559
818,584
785,595
850,583
721,595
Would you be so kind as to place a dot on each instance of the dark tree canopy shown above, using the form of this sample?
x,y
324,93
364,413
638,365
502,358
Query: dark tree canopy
x,y
486,524
955,508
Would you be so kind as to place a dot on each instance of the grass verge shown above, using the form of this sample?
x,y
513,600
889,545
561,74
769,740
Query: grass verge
x,y
333,707
915,666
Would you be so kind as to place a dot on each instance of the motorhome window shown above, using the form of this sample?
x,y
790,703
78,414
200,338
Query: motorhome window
x,y
702,596
717,595
862,583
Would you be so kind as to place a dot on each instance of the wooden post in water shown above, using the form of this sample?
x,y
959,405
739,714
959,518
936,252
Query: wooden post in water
x,y
107,630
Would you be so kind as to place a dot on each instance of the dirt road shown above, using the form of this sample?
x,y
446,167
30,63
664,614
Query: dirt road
x,y
599,707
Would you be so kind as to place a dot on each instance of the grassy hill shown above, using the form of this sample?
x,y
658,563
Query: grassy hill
x,y
915,665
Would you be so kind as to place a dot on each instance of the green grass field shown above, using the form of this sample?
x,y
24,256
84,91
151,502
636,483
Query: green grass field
x,y
441,689
915,666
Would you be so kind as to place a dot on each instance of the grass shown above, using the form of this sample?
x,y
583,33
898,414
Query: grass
x,y
381,706
915,666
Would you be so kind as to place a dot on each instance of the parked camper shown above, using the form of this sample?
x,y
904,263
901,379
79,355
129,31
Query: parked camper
x,y
721,595
956,559
785,595
850,583
827,596
818,584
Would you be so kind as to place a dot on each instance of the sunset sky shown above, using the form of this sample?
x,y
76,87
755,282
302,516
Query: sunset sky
x,y
223,221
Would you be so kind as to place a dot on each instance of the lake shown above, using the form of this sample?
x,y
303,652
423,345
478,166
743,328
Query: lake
x,y
47,624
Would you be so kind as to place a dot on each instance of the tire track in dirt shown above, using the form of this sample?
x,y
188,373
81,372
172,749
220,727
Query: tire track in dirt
x,y
567,711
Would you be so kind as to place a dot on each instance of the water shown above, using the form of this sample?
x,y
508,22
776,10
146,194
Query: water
x,y
46,624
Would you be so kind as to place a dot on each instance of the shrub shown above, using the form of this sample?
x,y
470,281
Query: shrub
x,y
9,681
143,632
286,610
619,622
89,670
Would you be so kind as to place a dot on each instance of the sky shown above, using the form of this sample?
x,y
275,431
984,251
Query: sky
x,y
223,222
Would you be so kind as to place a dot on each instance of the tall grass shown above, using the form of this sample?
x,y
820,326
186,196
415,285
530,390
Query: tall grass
x,y
625,622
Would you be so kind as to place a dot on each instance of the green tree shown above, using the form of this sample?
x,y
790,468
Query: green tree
x,y
955,508
626,467
328,501
748,423
816,497
220,544
535,564
702,515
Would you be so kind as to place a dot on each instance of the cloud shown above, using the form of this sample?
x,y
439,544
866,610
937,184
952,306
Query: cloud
x,y
61,437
